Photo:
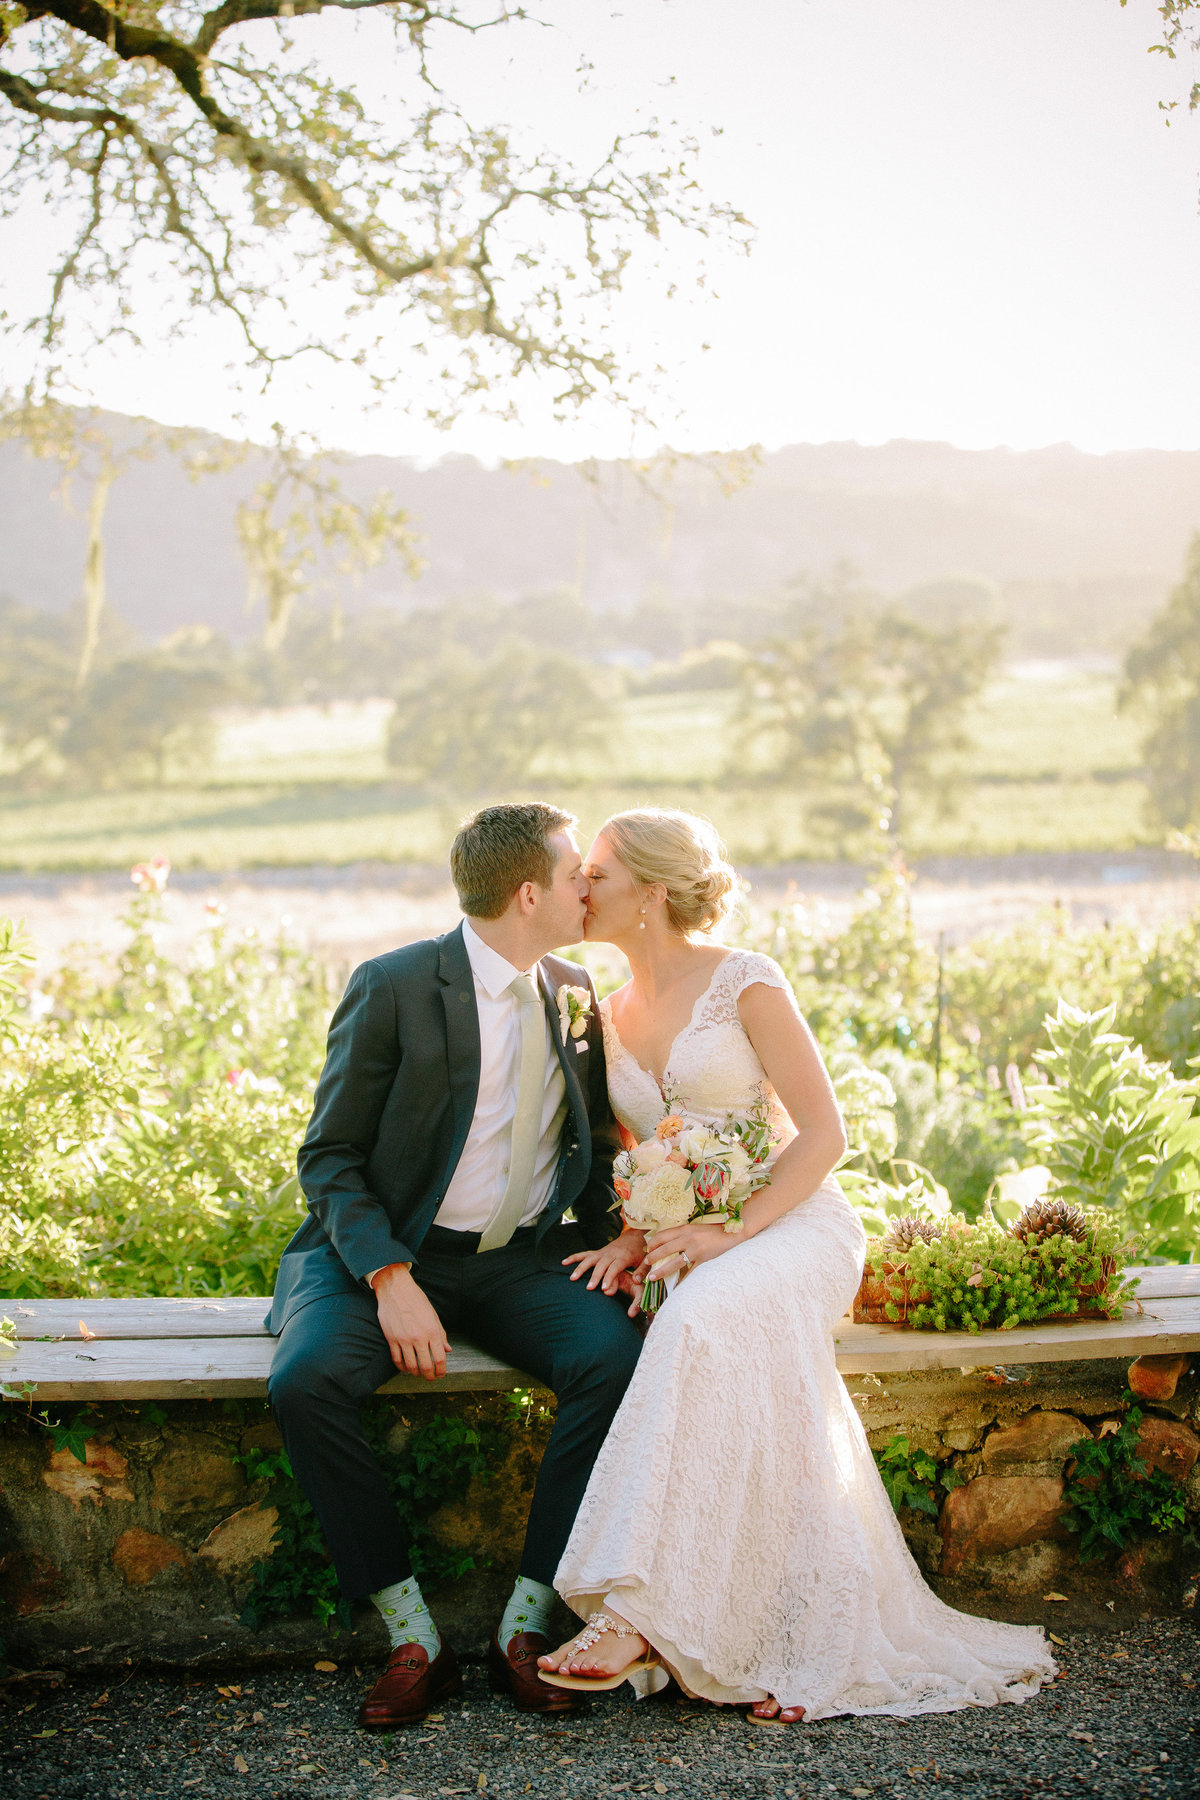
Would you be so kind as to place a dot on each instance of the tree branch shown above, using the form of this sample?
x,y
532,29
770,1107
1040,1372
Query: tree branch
x,y
26,99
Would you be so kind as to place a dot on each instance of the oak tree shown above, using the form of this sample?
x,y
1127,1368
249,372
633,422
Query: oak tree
x,y
234,159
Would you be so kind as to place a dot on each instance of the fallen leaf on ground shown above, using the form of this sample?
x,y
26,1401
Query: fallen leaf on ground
x,y
1109,1428
660,1787
1056,1640
1054,1596
241,1765
325,1668
99,1702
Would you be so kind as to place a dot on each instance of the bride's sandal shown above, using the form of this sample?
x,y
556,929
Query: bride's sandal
x,y
783,1715
598,1625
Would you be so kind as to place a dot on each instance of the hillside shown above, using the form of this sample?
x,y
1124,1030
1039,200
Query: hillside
x,y
1082,547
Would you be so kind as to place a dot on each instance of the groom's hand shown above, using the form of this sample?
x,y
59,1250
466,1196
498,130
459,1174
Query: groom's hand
x,y
409,1323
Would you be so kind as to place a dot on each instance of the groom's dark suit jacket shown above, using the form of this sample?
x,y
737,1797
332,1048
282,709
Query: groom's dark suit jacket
x,y
393,1108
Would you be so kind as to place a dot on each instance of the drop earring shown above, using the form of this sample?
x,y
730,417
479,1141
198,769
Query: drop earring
x,y
642,921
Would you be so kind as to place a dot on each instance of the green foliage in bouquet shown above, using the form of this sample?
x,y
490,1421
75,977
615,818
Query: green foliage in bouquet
x,y
1110,1493
959,1275
1118,1131
149,1118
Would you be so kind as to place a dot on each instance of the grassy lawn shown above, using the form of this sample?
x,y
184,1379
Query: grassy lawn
x,y
1054,768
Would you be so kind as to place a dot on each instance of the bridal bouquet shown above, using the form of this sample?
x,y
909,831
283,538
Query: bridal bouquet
x,y
690,1172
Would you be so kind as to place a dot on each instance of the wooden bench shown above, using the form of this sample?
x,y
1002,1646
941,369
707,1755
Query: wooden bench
x,y
158,1349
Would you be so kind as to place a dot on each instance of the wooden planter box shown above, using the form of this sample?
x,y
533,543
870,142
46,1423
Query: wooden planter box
x,y
892,1287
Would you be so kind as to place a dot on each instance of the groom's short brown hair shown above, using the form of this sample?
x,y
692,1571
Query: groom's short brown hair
x,y
500,848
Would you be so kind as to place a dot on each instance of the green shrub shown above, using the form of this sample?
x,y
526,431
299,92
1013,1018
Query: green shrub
x,y
149,1118
1118,1131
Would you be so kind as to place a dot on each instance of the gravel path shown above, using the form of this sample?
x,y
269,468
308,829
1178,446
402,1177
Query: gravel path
x,y
1122,1721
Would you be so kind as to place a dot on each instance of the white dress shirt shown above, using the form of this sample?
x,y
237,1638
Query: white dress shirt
x,y
482,1172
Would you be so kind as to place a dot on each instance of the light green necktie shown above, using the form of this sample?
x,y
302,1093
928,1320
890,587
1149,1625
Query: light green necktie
x,y
527,1119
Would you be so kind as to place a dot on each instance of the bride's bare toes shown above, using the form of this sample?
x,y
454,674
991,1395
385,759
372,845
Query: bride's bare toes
x,y
766,1709
791,1715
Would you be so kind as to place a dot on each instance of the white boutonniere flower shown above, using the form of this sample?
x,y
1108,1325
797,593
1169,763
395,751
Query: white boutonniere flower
x,y
574,1011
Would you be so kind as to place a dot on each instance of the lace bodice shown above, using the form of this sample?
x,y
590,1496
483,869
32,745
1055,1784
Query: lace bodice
x,y
712,1069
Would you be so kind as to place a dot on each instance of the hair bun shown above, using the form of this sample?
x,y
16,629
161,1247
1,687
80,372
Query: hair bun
x,y
683,852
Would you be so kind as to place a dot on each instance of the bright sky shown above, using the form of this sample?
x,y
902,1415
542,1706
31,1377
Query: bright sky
x,y
974,225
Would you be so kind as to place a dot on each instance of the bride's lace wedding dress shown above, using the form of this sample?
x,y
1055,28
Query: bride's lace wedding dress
x,y
735,1514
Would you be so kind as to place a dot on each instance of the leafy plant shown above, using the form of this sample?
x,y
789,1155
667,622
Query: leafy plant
x,y
433,1467
1110,1492
1118,1131
915,1478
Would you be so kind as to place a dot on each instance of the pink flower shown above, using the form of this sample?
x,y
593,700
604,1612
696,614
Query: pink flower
x,y
235,1077
151,877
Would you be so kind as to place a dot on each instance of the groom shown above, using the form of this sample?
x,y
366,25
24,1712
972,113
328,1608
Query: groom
x,y
456,1122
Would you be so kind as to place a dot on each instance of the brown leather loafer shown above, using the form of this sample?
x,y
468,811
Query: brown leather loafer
x,y
516,1674
410,1687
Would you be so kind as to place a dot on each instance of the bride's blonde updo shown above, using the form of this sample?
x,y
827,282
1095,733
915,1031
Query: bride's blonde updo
x,y
684,853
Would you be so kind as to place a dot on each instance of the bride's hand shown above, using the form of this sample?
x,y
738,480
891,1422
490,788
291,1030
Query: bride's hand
x,y
607,1266
683,1246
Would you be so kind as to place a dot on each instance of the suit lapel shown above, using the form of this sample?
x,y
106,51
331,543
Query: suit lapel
x,y
462,1038
575,1094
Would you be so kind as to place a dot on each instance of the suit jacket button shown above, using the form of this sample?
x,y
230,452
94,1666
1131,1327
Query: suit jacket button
x,y
465,998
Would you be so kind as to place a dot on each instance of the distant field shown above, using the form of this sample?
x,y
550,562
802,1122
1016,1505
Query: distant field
x,y
1054,768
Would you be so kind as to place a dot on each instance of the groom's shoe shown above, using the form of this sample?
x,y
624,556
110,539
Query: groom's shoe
x,y
410,1687
515,1673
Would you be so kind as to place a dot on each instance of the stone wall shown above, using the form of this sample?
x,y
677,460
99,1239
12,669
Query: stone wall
x,y
143,1553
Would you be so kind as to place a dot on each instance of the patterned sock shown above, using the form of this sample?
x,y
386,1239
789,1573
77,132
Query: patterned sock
x,y
409,1621
528,1609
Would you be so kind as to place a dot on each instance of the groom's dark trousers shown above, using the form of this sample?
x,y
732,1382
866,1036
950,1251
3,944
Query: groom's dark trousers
x,y
393,1109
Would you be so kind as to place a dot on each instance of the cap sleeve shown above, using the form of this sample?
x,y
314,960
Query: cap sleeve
x,y
754,969
740,970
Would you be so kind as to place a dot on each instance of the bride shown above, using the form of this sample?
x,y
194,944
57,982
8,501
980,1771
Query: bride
x,y
735,1531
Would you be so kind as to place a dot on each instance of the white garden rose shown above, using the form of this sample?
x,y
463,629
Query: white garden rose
x,y
649,1155
660,1199
738,1162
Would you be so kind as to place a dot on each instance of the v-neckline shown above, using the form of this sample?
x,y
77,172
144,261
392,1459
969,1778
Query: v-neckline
x,y
658,1080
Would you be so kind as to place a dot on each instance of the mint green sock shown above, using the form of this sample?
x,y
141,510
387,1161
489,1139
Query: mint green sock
x,y
528,1609
409,1621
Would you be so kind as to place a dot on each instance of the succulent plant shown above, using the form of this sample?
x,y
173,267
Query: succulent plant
x,y
903,1233
1051,1218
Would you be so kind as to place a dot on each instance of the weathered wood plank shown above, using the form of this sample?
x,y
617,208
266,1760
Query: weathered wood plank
x,y
1165,1326
243,1316
142,1318
145,1369
1173,1281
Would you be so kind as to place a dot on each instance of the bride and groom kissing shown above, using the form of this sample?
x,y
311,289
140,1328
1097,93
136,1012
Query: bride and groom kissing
x,y
707,1501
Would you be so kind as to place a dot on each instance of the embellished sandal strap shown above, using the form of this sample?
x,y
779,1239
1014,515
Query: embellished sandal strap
x,y
598,1624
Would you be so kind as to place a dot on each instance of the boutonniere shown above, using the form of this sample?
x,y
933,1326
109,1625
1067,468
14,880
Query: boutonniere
x,y
574,1011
